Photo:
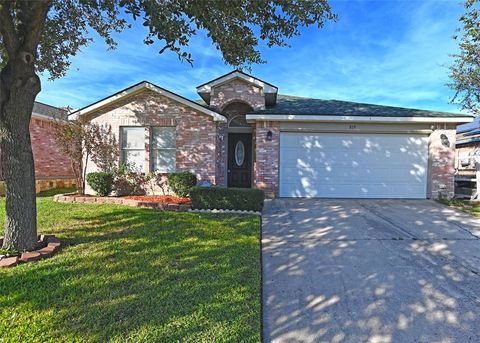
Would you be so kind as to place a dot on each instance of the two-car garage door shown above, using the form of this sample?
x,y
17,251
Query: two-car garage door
x,y
342,165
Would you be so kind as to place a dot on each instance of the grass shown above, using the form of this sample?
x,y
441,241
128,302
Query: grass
x,y
472,208
136,275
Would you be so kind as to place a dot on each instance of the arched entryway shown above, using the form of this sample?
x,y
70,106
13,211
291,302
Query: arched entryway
x,y
239,145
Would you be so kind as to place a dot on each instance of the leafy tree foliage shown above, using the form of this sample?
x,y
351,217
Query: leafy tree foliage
x,y
105,150
235,27
42,35
72,141
82,142
465,72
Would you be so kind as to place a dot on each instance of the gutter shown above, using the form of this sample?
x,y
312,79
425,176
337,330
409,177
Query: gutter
x,y
362,119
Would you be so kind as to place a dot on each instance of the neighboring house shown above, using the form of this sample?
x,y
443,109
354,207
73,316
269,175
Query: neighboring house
x,y
468,160
52,168
244,134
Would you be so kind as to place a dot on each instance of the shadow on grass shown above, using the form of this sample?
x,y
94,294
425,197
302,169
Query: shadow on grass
x,y
140,275
55,191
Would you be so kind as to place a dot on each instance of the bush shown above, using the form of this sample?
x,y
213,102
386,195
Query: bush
x,y
129,182
227,198
122,186
182,183
101,183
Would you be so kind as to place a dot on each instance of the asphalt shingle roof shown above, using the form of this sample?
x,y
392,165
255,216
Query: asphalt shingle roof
x,y
294,105
49,111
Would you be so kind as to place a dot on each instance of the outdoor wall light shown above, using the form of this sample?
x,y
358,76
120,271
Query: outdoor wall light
x,y
269,135
445,140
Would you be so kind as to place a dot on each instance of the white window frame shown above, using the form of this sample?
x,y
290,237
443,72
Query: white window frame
x,y
154,150
122,149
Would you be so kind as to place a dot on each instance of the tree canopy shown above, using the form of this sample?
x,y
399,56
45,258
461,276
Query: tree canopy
x,y
234,27
465,72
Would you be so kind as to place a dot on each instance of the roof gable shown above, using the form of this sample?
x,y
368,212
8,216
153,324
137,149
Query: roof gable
x,y
142,86
268,89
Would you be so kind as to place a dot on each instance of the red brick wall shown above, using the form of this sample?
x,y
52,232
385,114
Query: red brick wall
x,y
231,98
442,163
236,90
50,162
266,160
221,163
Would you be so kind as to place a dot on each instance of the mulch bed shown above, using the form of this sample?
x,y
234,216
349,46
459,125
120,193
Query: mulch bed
x,y
166,199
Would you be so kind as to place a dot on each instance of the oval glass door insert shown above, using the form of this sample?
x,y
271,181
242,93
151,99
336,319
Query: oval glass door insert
x,y
239,153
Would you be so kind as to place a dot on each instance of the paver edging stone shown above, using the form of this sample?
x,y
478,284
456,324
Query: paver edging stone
x,y
121,201
258,213
47,245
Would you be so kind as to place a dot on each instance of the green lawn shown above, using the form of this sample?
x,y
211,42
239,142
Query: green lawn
x,y
468,207
136,275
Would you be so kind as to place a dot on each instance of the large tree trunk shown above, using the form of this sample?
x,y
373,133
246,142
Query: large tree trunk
x,y
19,85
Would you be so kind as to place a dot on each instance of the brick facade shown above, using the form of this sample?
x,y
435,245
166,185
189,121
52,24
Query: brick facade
x,y
196,132
221,161
202,142
232,98
234,91
442,163
50,162
266,160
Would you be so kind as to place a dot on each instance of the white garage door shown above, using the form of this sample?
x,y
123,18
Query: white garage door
x,y
353,165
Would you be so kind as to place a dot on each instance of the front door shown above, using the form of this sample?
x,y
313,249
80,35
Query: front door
x,y
240,160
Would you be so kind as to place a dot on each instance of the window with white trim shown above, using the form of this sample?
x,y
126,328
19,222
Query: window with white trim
x,y
133,147
163,149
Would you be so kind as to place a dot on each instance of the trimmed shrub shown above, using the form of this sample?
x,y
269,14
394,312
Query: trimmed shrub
x,y
101,183
129,182
182,183
245,199
123,186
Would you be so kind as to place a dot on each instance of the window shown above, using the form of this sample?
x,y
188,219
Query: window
x,y
239,153
163,149
238,121
133,147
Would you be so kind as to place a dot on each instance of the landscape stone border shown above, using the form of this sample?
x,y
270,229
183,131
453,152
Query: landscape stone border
x,y
226,211
47,246
121,201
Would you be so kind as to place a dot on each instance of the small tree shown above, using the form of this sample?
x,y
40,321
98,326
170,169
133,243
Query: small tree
x,y
82,142
72,139
465,72
105,150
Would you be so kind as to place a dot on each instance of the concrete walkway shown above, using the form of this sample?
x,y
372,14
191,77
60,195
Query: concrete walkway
x,y
369,271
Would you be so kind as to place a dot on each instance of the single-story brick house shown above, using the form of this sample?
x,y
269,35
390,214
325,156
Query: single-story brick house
x,y
242,133
52,168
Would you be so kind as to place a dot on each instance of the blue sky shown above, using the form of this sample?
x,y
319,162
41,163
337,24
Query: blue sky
x,y
384,52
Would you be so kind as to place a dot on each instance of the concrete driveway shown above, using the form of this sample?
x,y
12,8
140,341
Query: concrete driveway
x,y
369,271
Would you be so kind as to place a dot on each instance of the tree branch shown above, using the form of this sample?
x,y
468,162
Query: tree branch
x,y
7,29
32,30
